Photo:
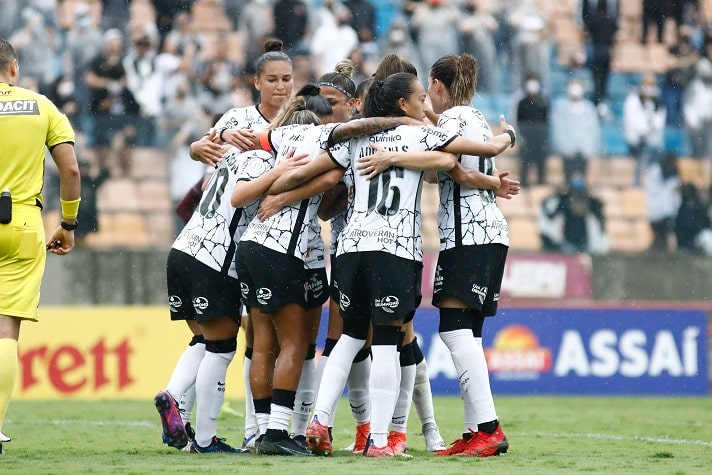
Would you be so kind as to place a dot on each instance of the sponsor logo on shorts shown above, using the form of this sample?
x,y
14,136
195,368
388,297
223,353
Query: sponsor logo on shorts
x,y
495,297
438,282
200,304
174,303
344,301
480,291
315,286
387,303
244,289
263,295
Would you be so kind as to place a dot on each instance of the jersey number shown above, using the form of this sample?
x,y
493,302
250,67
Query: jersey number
x,y
211,199
390,194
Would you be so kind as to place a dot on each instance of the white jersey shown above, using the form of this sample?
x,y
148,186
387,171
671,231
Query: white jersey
x,y
288,231
469,216
338,222
386,209
242,118
211,234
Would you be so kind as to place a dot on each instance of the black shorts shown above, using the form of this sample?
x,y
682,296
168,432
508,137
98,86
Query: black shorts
x,y
472,274
197,292
316,288
334,285
378,284
269,280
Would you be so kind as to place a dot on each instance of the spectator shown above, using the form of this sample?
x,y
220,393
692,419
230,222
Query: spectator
x,y
334,39
600,22
219,76
532,122
683,58
477,27
575,129
530,48
290,23
62,94
363,19
82,44
654,11
256,24
436,21
571,221
37,46
146,83
692,219
697,110
93,176
114,109
399,42
644,124
663,200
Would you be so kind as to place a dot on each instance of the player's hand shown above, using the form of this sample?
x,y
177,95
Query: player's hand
x,y
269,206
372,165
507,186
61,242
291,161
244,139
207,149
505,126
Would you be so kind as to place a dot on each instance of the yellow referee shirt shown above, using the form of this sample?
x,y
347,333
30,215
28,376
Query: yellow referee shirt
x,y
28,122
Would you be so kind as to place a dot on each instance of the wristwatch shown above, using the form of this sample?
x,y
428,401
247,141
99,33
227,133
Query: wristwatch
x,y
67,226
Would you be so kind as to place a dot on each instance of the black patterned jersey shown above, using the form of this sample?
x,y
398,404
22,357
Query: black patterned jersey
x,y
338,222
468,216
295,229
386,209
211,234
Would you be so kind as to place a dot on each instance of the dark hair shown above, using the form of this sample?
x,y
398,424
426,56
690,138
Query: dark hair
x,y
314,102
391,64
382,98
362,88
459,76
273,52
294,112
7,54
340,78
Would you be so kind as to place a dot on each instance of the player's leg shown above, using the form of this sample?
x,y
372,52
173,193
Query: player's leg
x,y
423,402
397,438
251,427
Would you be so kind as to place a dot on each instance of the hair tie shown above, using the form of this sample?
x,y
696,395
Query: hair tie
x,y
337,87
300,108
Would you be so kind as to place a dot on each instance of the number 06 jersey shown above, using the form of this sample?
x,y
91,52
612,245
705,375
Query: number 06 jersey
x,y
215,228
386,209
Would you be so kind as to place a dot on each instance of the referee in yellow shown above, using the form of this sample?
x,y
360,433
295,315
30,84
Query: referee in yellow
x,y
28,122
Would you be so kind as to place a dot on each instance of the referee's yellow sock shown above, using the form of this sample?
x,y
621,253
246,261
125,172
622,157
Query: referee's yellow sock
x,y
8,373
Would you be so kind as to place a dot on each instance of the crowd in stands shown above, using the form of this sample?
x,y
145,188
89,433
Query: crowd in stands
x,y
585,81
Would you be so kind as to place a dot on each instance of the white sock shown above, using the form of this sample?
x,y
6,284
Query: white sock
x,y
279,417
262,419
423,395
186,369
336,371
399,421
470,422
320,365
251,425
470,363
187,401
358,391
210,393
383,387
304,400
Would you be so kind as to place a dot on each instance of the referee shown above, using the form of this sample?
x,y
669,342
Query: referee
x,y
28,123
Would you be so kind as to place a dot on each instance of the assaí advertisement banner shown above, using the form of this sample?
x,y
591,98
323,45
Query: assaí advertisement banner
x,y
105,353
581,351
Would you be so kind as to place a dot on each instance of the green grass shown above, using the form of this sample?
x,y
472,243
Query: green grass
x,y
552,435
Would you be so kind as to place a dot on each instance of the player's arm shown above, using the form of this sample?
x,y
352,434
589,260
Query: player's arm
x,y
474,178
271,204
372,165
247,191
293,178
62,240
490,148
334,201
367,126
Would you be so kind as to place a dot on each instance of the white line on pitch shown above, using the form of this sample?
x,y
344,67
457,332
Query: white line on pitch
x,y
657,440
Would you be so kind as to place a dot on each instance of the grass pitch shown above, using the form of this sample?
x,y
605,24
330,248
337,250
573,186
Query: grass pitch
x,y
552,435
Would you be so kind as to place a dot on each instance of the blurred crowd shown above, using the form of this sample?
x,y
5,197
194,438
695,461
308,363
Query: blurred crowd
x,y
125,81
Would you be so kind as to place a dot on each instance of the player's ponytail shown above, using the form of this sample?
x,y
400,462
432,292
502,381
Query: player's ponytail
x,y
383,96
294,112
273,52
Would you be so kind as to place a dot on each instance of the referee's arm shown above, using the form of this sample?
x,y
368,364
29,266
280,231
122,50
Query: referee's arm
x,y
69,180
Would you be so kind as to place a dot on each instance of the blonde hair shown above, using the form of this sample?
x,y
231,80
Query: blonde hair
x,y
294,112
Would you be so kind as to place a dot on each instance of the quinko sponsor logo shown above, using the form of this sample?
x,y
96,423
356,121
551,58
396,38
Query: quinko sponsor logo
x,y
200,304
244,289
174,303
344,301
387,303
263,295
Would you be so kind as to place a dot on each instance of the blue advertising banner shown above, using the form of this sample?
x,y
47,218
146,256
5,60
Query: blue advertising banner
x,y
581,351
